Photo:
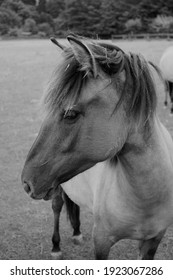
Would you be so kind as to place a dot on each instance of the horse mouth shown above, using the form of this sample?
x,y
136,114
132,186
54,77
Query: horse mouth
x,y
46,196
51,193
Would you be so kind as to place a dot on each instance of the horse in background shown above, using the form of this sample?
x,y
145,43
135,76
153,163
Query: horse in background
x,y
101,119
166,66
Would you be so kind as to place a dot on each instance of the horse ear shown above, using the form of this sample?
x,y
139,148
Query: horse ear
x,y
57,43
83,55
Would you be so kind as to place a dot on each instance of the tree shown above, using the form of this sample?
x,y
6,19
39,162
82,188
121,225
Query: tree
x,y
9,17
93,17
80,16
149,8
14,5
72,17
161,24
85,17
133,25
28,11
55,7
4,29
46,28
111,21
30,26
22,10
45,18
41,6
29,2
167,8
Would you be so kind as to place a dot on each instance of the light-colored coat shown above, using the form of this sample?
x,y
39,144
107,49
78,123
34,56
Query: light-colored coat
x,y
102,120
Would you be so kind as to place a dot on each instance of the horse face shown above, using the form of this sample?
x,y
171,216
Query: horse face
x,y
74,139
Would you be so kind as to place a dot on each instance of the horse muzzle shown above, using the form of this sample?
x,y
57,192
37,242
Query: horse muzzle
x,y
47,195
28,187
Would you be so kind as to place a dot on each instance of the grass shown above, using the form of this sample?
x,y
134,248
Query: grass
x,y
26,225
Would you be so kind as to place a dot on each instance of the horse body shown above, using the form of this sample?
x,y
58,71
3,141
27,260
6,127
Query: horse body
x,y
166,64
102,120
134,192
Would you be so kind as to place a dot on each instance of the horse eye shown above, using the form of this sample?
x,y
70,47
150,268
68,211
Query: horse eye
x,y
71,114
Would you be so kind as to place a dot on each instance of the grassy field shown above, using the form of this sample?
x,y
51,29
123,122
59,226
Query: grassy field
x,y
26,225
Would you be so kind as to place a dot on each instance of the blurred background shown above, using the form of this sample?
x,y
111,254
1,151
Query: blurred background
x,y
98,18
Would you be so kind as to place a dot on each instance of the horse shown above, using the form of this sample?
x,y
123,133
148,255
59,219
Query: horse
x,y
166,65
73,213
169,91
102,140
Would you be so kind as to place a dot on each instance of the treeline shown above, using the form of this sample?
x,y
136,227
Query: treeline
x,y
102,18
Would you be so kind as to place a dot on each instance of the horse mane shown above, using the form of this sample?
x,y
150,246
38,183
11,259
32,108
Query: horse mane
x,y
143,97
69,78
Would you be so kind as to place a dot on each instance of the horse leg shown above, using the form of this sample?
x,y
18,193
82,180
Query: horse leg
x,y
171,107
75,222
171,95
167,91
73,212
102,242
57,203
148,247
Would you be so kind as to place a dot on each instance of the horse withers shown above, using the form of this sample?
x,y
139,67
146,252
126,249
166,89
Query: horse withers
x,y
101,119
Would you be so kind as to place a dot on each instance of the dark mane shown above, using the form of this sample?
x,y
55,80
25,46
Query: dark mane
x,y
138,91
143,98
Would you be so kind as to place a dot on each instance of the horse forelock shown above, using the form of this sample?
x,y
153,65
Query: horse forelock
x,y
138,91
65,84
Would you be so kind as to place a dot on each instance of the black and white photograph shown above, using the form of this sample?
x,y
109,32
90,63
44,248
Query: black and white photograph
x,y
86,130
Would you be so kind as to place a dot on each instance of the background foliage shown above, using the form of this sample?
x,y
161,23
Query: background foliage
x,y
102,18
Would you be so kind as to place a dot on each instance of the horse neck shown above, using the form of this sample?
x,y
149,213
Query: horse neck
x,y
143,152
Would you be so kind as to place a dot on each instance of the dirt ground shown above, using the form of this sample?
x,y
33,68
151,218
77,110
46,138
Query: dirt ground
x,y
26,225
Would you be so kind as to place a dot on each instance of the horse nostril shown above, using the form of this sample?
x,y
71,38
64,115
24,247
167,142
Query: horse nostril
x,y
27,187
